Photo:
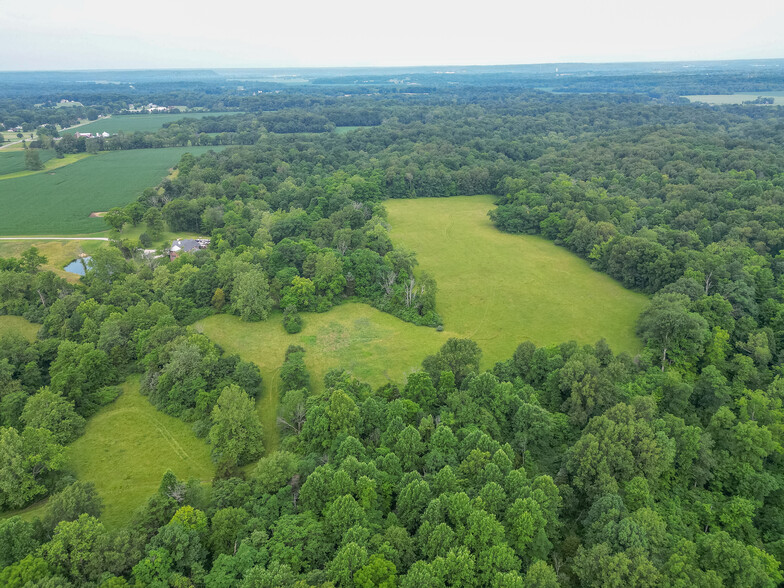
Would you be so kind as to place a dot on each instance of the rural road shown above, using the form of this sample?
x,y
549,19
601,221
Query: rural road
x,y
54,238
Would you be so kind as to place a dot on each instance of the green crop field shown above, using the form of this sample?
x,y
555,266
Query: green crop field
x,y
16,324
138,122
127,448
501,289
60,201
14,161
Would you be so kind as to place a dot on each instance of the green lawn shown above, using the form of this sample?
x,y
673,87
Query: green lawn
x,y
14,161
59,202
16,324
501,289
138,122
127,448
375,346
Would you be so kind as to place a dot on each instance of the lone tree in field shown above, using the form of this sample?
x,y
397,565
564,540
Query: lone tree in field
x,y
33,160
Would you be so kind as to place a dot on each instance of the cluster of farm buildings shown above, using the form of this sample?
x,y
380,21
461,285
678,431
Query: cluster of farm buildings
x,y
149,108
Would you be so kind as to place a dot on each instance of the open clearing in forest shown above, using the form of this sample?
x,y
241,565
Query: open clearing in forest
x,y
58,253
17,324
495,288
132,123
374,346
501,289
126,449
778,97
59,202
348,129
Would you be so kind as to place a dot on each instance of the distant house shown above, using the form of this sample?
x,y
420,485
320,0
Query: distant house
x,y
180,246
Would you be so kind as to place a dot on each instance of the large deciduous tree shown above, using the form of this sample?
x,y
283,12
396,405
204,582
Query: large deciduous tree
x,y
670,329
236,434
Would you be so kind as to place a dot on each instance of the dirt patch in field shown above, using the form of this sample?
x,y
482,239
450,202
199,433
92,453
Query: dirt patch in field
x,y
97,214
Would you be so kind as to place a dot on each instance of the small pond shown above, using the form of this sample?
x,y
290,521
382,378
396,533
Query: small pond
x,y
79,265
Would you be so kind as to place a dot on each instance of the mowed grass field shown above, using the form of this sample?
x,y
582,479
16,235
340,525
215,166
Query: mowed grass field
x,y
59,202
132,123
374,346
126,449
17,324
501,289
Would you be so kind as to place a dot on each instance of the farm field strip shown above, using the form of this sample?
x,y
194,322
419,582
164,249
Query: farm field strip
x,y
14,161
131,123
50,165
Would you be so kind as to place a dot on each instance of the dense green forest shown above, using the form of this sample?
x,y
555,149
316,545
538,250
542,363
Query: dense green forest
x,y
561,466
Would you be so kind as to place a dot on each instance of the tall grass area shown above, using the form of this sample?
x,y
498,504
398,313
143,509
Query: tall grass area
x,y
60,202
58,253
500,289
126,449
374,346
17,324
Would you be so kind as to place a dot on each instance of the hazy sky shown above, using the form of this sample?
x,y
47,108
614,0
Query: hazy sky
x,y
82,34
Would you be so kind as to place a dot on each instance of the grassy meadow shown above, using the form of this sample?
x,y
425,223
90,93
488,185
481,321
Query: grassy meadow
x,y
59,253
59,202
132,123
500,289
126,449
495,288
376,347
17,324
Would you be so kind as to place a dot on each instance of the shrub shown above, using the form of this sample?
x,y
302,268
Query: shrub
x,y
292,321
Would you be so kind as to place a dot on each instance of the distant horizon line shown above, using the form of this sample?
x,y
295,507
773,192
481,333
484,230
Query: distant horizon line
x,y
350,67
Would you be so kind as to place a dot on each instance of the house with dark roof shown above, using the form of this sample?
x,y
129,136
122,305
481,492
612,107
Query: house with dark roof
x,y
180,246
